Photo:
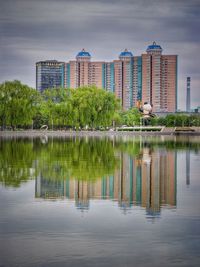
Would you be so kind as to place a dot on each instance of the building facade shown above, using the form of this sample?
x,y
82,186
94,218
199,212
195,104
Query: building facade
x,y
82,72
49,74
151,77
159,79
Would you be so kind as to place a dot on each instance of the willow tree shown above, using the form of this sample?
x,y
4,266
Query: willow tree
x,y
18,104
85,106
93,107
55,108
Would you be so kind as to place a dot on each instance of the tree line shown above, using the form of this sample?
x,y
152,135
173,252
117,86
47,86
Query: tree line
x,y
24,107
83,108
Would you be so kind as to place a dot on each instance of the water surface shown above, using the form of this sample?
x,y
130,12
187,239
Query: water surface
x,y
132,201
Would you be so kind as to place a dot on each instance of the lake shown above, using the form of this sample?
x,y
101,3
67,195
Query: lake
x,y
111,201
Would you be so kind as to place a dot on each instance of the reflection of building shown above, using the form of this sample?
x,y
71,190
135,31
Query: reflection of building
x,y
159,181
49,188
82,194
148,181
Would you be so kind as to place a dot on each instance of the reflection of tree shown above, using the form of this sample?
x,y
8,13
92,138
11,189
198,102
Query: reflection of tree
x,y
178,143
77,158
58,159
149,181
131,147
134,147
16,159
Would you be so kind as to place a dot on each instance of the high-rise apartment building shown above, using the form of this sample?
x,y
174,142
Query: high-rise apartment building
x,y
151,77
49,74
109,77
159,79
83,72
128,79
97,74
137,80
124,78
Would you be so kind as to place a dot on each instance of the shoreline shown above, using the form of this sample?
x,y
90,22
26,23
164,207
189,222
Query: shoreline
x,y
63,133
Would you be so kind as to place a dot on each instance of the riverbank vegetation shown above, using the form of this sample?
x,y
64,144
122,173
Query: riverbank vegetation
x,y
86,107
22,107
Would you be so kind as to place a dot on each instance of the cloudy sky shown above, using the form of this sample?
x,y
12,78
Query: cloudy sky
x,y
34,30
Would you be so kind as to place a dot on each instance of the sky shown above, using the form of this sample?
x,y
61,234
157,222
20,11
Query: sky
x,y
35,30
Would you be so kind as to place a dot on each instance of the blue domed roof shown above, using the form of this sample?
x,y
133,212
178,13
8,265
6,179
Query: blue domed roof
x,y
83,53
154,46
126,53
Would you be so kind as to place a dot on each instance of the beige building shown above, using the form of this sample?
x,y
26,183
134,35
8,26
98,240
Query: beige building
x,y
150,78
159,79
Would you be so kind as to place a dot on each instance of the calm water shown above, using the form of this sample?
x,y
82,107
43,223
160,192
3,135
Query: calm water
x,y
100,202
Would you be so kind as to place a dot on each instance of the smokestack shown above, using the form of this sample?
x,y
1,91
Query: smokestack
x,y
188,108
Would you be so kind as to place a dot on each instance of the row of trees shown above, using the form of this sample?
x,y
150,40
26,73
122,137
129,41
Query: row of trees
x,y
86,107
177,120
22,106
133,117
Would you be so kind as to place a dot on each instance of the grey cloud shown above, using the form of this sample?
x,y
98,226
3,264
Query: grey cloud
x,y
32,30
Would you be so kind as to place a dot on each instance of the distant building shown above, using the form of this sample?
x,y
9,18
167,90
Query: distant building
x,y
197,109
151,77
122,77
159,79
128,79
49,74
109,77
188,107
83,72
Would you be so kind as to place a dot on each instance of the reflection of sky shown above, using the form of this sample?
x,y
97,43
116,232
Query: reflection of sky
x,y
37,232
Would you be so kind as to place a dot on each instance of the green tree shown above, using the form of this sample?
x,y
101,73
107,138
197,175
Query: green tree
x,y
131,117
18,104
55,108
93,107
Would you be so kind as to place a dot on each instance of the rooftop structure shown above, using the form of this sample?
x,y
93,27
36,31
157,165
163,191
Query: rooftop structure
x,y
125,54
83,56
154,49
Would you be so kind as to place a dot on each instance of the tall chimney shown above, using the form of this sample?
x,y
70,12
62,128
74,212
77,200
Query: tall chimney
x,y
188,108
